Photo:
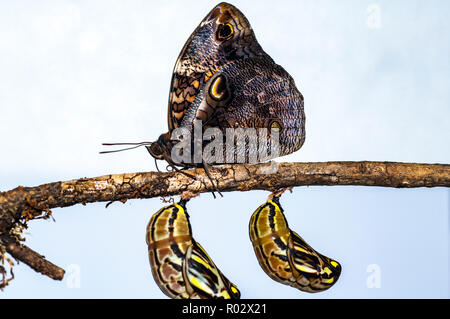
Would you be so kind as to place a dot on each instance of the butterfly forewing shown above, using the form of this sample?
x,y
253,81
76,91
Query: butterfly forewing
x,y
207,51
224,80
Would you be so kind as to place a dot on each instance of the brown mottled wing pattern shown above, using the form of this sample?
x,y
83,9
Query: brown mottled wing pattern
x,y
225,79
285,256
260,92
204,53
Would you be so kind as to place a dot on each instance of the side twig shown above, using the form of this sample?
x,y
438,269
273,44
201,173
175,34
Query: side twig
x,y
32,258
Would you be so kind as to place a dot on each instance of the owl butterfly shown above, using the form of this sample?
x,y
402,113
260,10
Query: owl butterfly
x,y
285,256
225,80
180,266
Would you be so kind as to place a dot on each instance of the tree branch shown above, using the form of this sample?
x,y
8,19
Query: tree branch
x,y
21,204
32,258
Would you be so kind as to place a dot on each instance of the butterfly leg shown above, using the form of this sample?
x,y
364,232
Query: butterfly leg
x,y
156,164
206,168
173,166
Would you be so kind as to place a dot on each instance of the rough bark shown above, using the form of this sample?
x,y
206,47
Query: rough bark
x,y
36,261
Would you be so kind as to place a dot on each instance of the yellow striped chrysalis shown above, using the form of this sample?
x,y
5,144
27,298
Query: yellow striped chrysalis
x,y
285,256
180,266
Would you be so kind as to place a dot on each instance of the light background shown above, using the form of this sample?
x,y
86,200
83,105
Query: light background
x,y
375,77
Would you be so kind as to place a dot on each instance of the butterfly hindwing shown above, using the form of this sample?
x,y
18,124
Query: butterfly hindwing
x,y
254,93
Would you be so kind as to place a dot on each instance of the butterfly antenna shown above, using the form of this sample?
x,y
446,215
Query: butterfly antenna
x,y
135,145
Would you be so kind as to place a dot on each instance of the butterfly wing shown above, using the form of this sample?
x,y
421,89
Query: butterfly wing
x,y
223,36
252,93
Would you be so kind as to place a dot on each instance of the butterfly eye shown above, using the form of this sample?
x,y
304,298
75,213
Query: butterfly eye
x,y
276,126
218,89
156,151
225,32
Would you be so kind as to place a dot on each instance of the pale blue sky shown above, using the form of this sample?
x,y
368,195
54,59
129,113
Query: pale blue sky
x,y
75,74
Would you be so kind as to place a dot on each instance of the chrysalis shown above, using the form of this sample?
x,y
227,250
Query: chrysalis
x,y
180,266
285,256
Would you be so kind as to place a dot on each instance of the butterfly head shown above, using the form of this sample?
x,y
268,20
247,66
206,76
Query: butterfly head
x,y
160,148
